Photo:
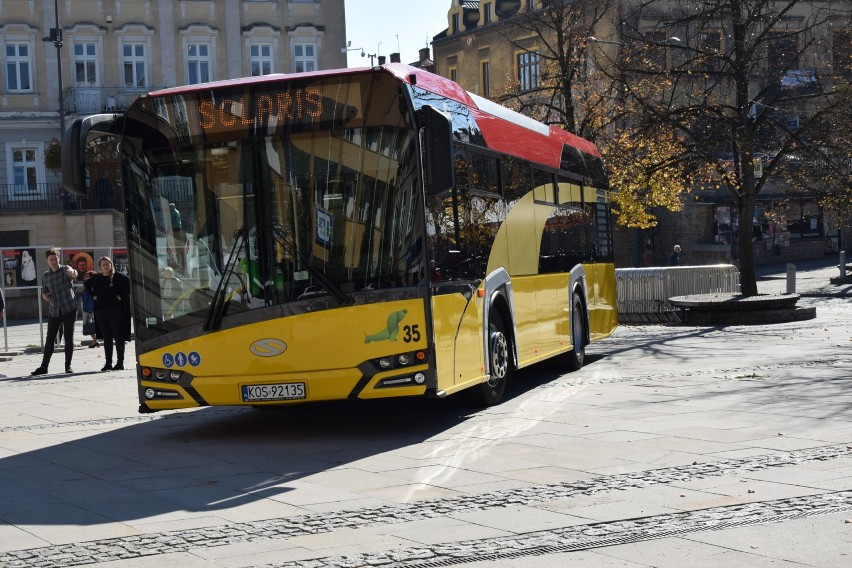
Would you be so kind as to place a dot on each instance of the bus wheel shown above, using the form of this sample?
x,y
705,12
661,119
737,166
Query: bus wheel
x,y
577,354
491,391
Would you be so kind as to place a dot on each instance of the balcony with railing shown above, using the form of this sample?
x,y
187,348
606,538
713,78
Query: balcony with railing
x,y
52,198
92,100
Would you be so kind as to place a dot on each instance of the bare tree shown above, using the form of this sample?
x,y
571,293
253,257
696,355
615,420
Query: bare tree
x,y
731,75
562,88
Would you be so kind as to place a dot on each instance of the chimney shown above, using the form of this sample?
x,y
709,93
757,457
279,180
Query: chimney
x,y
382,59
395,58
424,53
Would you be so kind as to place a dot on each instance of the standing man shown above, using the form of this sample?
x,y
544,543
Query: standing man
x,y
675,260
58,290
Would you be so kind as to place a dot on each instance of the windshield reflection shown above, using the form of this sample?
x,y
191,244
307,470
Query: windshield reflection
x,y
289,222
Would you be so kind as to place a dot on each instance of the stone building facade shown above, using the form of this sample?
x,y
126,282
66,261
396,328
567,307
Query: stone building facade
x,y
63,59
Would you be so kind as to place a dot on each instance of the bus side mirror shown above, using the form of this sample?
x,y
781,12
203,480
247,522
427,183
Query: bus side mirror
x,y
74,142
438,142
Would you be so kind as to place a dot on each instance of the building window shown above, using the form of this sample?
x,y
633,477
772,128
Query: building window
x,y
722,224
841,53
454,74
456,21
804,220
528,70
198,63
655,48
711,49
18,74
530,5
134,65
304,57
86,64
25,171
487,13
486,78
782,54
260,59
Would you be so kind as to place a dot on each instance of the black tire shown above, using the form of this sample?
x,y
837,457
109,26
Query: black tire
x,y
499,356
577,355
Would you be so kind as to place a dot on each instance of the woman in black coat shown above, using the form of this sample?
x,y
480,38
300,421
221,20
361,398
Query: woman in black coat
x,y
111,291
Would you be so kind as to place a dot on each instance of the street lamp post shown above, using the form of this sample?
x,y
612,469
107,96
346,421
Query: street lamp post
x,y
55,37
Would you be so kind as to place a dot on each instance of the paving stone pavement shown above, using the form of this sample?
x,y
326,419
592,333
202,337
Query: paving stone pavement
x,y
673,446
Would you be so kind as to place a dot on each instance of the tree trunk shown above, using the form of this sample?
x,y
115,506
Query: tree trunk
x,y
745,211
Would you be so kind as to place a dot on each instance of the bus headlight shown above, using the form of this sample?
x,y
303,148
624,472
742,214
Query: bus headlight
x,y
385,362
419,378
404,359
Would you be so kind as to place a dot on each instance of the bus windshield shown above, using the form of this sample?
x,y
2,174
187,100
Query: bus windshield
x,y
291,195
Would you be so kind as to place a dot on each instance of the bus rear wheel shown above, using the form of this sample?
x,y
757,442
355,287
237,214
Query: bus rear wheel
x,y
577,355
491,391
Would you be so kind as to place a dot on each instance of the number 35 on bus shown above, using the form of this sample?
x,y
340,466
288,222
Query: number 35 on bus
x,y
352,234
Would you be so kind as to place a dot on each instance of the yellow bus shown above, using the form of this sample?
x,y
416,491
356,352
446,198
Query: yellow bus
x,y
351,234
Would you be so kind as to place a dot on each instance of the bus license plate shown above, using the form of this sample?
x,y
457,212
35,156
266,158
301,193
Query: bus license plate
x,y
277,391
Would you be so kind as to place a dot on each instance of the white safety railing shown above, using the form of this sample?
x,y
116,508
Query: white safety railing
x,y
643,293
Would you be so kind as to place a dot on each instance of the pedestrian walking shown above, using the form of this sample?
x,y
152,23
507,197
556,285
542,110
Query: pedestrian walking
x,y
57,286
111,292
675,259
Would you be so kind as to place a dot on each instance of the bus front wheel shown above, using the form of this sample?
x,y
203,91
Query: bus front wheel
x,y
491,391
577,355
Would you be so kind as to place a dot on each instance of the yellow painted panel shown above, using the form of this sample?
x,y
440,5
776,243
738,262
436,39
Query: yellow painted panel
x,y
518,241
603,308
569,193
458,339
526,317
553,312
544,193
541,316
322,349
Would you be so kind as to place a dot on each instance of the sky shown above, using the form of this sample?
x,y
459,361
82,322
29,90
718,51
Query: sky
x,y
382,27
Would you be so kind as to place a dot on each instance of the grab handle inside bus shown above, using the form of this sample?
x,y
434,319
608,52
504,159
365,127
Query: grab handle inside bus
x,y
74,142
438,142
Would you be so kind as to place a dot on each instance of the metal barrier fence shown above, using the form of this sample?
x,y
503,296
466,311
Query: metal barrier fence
x,y
643,293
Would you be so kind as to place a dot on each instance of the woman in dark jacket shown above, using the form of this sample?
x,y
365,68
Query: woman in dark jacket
x,y
111,291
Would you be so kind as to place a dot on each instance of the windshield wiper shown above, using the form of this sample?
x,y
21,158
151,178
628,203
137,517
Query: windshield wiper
x,y
220,300
328,285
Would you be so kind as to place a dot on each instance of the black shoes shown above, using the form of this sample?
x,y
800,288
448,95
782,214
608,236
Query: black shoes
x,y
118,367
107,367
39,371
68,369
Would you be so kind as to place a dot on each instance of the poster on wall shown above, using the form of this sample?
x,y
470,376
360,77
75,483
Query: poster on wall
x,y
119,259
82,261
26,270
10,264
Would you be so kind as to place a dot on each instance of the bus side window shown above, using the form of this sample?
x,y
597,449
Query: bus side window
x,y
516,178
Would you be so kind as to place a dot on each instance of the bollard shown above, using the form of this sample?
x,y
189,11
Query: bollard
x,y
791,278
842,264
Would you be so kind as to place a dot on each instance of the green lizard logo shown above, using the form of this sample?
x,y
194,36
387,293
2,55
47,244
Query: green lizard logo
x,y
391,331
